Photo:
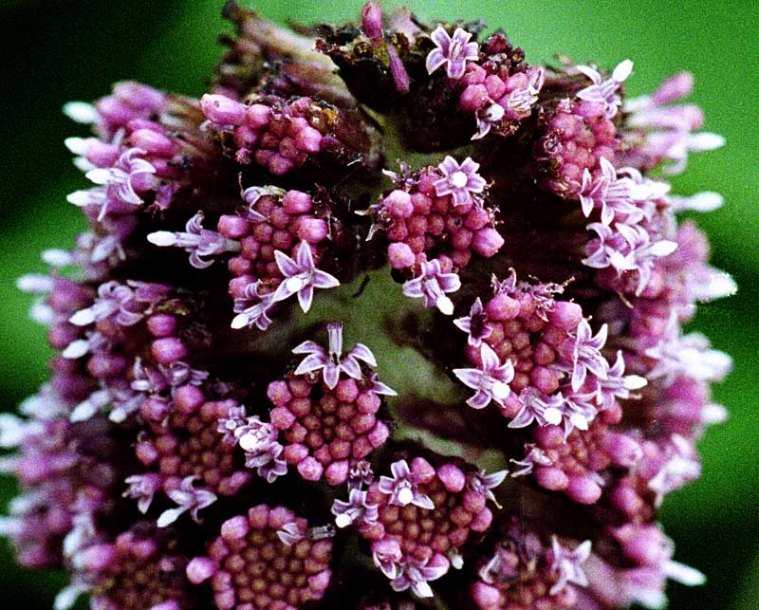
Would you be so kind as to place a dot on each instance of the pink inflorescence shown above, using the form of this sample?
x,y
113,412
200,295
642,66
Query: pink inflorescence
x,y
327,410
267,558
517,292
135,572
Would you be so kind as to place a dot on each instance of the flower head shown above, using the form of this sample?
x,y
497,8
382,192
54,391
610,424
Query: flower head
x,y
199,446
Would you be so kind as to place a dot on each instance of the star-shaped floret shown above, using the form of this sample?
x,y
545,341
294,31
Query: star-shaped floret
x,y
451,52
475,324
538,407
491,380
402,487
414,574
357,508
605,91
301,276
332,362
567,565
189,498
195,240
587,356
432,285
459,181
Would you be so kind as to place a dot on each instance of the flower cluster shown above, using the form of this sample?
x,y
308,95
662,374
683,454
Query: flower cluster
x,y
499,243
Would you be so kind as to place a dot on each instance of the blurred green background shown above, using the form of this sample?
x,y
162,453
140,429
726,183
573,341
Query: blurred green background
x,y
60,50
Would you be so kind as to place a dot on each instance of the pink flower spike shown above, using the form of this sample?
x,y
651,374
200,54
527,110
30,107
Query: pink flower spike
x,y
459,181
491,381
301,276
453,53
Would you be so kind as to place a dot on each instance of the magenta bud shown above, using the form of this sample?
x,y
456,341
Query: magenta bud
x,y
347,390
162,325
153,142
485,596
371,21
337,472
674,88
235,528
168,350
257,115
308,140
201,569
502,307
473,98
398,70
296,202
310,469
565,315
551,478
281,418
222,110
583,490
623,450
232,227
422,469
279,393
398,204
97,557
312,230
487,242
188,398
451,477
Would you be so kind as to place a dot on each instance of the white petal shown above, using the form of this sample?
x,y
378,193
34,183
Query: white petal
x,y
99,175
80,198
343,520
55,257
684,574
81,112
239,321
169,516
705,141
162,238
635,382
422,589
67,596
78,146
622,71
76,349
664,247
83,317
445,305
405,496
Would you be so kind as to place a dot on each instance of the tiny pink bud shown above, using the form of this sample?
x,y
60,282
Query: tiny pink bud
x,y
222,110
